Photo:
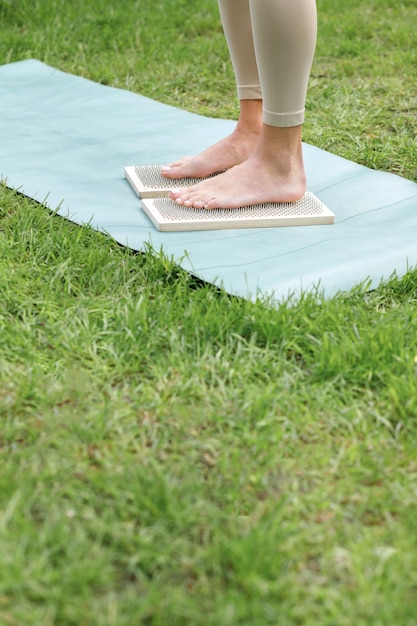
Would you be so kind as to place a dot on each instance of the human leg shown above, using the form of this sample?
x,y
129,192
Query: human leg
x,y
237,147
284,33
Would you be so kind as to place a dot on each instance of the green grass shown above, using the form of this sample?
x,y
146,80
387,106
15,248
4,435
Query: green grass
x,y
171,455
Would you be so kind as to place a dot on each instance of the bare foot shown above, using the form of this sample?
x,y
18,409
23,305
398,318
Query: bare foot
x,y
252,182
218,158
227,152
273,173
223,155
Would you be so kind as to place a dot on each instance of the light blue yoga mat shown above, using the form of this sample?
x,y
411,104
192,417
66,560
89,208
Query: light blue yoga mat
x,y
68,139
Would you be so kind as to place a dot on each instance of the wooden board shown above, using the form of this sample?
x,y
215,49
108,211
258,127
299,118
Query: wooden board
x,y
148,182
167,215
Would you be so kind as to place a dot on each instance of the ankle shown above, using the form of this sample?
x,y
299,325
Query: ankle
x,y
250,118
281,147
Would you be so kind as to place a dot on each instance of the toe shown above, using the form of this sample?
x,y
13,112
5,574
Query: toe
x,y
175,169
211,204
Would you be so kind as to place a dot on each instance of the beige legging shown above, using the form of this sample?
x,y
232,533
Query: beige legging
x,y
271,44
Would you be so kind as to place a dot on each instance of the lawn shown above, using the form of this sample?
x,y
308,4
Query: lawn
x,y
174,456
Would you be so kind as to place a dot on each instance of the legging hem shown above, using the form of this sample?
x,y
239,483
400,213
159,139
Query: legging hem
x,y
283,120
